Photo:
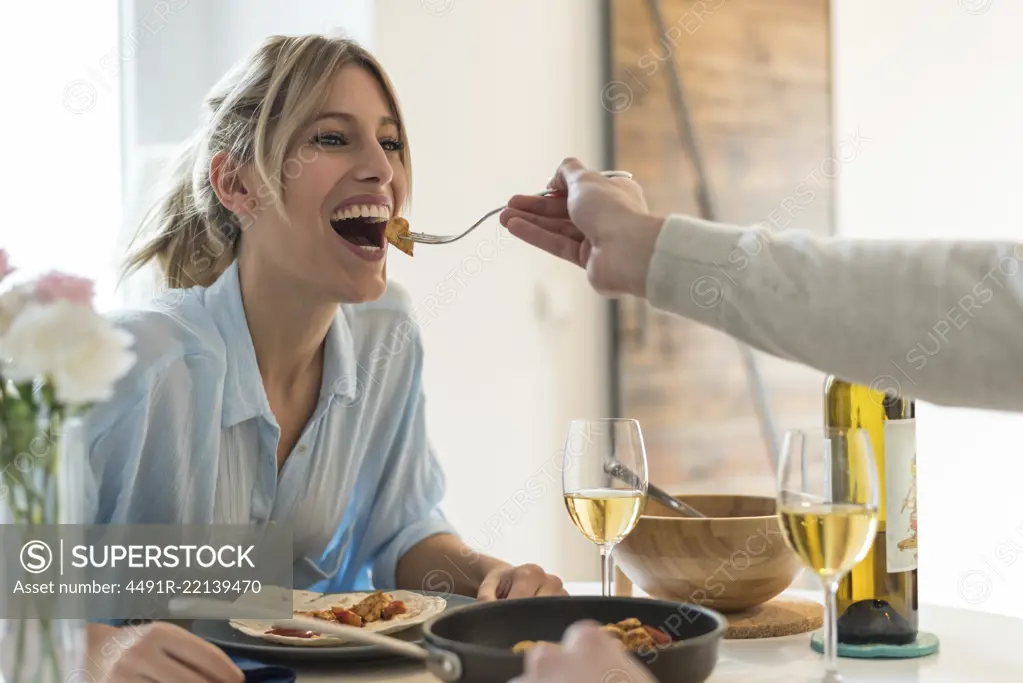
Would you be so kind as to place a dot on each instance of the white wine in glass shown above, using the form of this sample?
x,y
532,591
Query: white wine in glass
x,y
605,516
828,501
829,537
604,478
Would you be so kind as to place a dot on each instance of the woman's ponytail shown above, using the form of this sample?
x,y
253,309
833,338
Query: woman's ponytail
x,y
193,236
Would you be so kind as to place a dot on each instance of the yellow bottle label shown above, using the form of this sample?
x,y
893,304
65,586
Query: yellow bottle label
x,y
900,485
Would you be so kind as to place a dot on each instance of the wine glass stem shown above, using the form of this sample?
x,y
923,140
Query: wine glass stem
x,y
606,567
831,629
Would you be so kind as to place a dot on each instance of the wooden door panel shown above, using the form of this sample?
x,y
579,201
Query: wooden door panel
x,y
756,77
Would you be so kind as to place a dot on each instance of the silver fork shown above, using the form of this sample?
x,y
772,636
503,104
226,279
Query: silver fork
x,y
426,238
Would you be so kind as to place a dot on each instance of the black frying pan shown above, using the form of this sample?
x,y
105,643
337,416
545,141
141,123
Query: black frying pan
x,y
473,643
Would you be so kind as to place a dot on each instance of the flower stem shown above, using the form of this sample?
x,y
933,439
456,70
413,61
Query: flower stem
x,y
47,636
19,661
32,431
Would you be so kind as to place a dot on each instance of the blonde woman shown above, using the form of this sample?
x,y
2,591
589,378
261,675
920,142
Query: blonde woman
x,y
280,379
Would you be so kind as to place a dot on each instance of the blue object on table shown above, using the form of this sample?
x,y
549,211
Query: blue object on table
x,y
925,644
258,672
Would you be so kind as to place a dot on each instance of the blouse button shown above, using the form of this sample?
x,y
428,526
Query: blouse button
x,y
301,450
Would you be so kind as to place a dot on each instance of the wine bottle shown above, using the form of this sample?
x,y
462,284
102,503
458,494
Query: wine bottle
x,y
877,599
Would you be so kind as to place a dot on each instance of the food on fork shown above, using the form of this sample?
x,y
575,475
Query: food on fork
x,y
636,636
397,229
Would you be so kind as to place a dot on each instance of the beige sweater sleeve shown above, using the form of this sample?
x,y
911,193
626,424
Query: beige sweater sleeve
x,y
937,321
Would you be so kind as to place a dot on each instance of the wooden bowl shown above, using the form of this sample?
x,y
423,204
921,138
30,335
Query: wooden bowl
x,y
733,560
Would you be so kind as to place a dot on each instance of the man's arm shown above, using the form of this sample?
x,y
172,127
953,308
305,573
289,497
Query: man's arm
x,y
939,321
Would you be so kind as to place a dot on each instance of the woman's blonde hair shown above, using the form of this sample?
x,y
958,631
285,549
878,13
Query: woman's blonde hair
x,y
253,114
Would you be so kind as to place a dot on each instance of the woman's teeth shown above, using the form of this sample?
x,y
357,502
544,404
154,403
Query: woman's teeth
x,y
362,211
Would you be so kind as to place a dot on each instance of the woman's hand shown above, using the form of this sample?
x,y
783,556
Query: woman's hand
x,y
157,653
524,581
601,224
586,654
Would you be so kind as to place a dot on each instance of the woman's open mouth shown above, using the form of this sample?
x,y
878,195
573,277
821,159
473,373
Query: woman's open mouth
x,y
362,229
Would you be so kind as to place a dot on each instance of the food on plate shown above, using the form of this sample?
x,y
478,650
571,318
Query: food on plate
x,y
379,611
394,609
333,613
397,229
291,632
377,606
374,607
346,616
326,614
636,636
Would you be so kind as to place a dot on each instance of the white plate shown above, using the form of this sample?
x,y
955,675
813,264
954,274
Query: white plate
x,y
420,608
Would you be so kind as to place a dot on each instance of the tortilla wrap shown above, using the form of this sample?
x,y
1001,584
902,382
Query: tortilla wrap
x,y
418,607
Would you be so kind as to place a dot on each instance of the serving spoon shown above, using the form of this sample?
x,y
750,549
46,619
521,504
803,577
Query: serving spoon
x,y
617,469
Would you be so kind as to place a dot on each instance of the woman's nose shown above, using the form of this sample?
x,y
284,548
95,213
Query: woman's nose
x,y
374,165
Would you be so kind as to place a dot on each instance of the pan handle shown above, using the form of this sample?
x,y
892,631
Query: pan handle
x,y
443,664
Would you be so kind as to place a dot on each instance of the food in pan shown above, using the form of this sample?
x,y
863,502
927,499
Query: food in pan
x,y
636,636
383,612
396,231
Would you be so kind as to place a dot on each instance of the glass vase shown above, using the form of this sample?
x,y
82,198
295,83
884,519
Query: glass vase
x,y
44,459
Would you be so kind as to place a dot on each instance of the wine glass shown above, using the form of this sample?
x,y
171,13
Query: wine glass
x,y
828,501
604,479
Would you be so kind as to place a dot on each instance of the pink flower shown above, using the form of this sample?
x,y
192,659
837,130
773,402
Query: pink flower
x,y
5,265
60,287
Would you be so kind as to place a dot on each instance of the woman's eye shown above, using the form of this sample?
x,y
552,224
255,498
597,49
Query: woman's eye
x,y
330,139
339,140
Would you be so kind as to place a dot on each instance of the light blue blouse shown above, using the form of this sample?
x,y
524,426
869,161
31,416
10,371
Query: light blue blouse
x,y
190,439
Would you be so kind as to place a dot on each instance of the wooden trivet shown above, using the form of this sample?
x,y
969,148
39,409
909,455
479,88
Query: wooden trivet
x,y
775,618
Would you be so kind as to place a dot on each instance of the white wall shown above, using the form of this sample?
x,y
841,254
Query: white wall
x,y
251,21
488,117
936,88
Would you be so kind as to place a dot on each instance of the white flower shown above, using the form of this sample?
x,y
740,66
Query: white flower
x,y
76,349
12,302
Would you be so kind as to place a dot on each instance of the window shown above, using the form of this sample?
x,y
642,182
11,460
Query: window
x,y
61,121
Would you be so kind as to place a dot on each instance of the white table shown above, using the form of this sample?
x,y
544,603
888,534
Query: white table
x,y
976,647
